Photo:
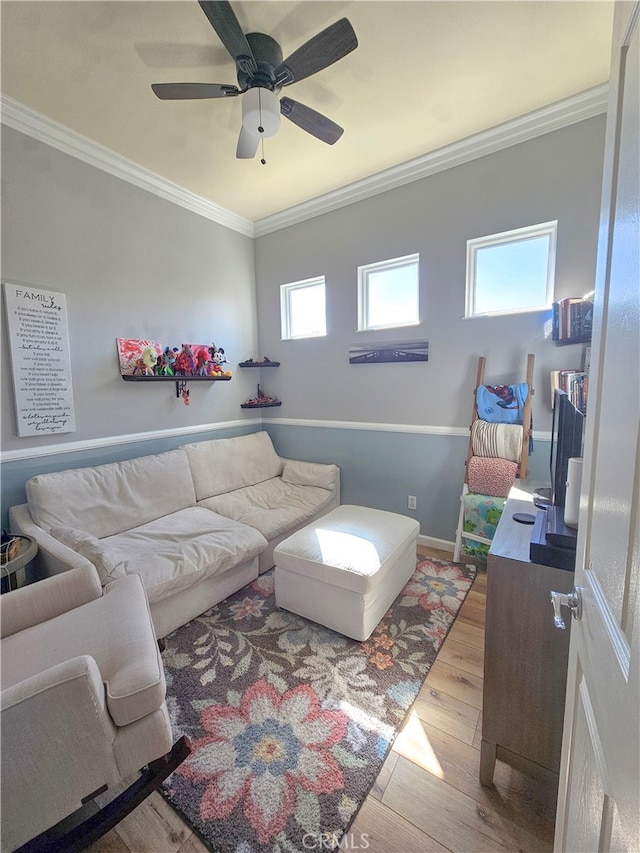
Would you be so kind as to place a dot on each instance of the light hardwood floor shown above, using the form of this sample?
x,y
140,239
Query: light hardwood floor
x,y
427,797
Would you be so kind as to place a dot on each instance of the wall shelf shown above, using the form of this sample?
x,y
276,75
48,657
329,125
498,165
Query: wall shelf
x,y
261,400
142,378
260,405
259,364
181,381
583,339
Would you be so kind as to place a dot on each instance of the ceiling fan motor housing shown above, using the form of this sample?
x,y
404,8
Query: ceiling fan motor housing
x,y
268,56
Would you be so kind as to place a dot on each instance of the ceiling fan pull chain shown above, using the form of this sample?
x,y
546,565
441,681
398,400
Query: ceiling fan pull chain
x,y
260,126
262,160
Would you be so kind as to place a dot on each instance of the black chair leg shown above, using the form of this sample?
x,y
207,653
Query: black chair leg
x,y
84,834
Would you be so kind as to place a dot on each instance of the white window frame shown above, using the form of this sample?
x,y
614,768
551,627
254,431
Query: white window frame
x,y
364,297
517,235
286,318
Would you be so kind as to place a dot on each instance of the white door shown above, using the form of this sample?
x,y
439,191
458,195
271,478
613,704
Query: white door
x,y
599,797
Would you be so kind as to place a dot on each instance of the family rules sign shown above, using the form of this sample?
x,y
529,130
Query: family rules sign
x,y
40,361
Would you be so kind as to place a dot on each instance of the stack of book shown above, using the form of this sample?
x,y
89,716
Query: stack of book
x,y
572,318
575,383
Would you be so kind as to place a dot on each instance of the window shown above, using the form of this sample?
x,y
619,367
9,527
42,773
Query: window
x,y
302,309
388,294
511,272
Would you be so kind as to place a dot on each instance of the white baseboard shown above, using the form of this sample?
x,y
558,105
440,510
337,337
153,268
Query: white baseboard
x,y
433,542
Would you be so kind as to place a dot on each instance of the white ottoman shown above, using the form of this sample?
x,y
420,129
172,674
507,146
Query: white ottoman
x,y
345,569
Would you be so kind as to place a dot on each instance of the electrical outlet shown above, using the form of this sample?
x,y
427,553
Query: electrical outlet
x,y
412,502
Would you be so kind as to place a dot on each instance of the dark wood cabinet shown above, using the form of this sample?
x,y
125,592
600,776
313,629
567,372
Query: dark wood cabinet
x,y
525,655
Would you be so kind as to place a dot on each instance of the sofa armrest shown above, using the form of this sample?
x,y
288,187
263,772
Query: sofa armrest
x,y
53,557
56,747
47,599
298,473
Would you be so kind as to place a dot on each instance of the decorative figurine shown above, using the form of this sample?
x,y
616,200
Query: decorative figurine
x,y
201,355
169,360
185,364
217,359
261,399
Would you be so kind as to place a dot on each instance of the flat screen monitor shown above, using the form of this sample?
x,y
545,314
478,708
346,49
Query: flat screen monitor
x,y
566,442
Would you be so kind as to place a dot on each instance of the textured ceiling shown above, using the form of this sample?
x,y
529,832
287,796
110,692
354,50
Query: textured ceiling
x,y
425,74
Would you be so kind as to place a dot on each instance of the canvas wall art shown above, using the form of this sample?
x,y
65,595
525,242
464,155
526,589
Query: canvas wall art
x,y
398,351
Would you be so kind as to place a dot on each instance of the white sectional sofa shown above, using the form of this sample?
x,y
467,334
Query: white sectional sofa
x,y
196,523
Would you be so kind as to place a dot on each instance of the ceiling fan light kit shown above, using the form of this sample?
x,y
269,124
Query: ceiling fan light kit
x,y
262,73
260,112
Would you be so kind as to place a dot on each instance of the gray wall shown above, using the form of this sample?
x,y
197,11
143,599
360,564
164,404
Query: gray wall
x,y
131,265
556,176
134,265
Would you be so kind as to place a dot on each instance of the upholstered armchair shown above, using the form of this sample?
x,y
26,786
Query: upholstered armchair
x,y
83,706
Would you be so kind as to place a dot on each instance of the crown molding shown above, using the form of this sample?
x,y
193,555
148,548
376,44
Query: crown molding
x,y
33,124
587,104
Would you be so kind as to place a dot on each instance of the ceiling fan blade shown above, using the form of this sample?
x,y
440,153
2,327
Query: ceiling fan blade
x,y
322,50
310,120
247,145
223,20
185,91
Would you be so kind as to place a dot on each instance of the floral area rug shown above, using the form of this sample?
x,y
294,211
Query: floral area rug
x,y
290,722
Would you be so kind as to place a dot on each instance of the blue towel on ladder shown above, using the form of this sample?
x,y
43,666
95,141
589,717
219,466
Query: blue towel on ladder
x,y
501,404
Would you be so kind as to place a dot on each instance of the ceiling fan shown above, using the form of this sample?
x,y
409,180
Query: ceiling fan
x,y
262,73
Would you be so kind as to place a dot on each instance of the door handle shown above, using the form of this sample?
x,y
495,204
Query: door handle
x,y
572,600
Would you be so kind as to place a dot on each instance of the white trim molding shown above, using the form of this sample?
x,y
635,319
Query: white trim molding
x,y
584,105
115,440
587,104
418,429
185,431
38,126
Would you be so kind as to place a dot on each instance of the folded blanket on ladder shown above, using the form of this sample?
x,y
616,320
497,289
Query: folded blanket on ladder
x,y
501,404
481,516
490,476
499,441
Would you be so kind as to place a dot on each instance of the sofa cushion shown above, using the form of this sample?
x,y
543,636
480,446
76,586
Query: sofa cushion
x,y
272,507
177,551
107,499
310,474
226,464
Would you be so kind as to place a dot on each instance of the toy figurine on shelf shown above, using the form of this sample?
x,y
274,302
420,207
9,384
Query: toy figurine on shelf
x,y
146,362
185,363
202,361
260,400
169,360
216,360
266,362
138,366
